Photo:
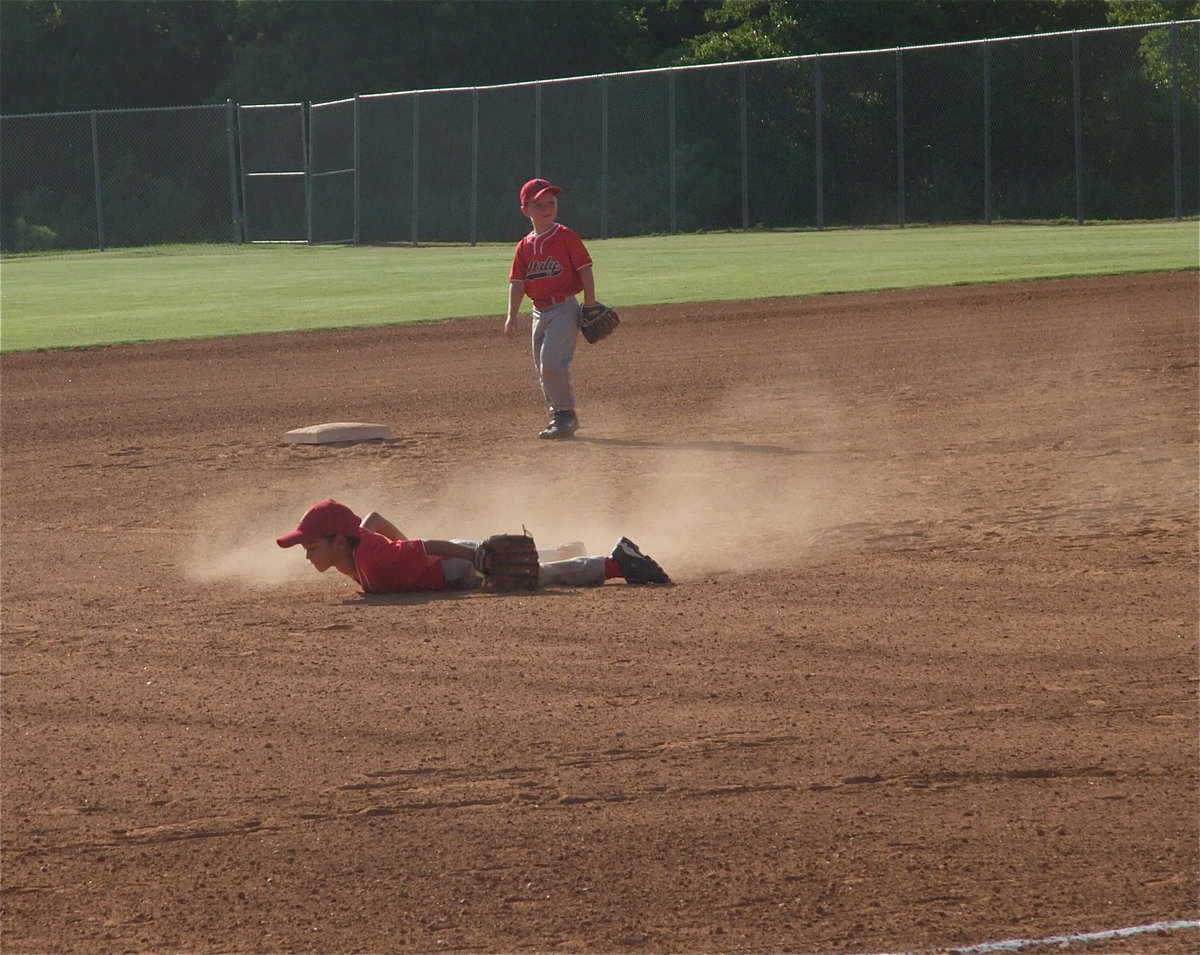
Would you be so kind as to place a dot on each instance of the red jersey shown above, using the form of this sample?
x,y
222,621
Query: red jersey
x,y
389,567
549,265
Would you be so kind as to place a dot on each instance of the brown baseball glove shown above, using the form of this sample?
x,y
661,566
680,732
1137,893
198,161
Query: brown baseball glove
x,y
597,321
508,562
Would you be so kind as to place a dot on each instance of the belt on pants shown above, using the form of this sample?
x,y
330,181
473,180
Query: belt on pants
x,y
542,303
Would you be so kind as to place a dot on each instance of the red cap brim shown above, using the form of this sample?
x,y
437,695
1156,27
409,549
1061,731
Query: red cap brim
x,y
290,539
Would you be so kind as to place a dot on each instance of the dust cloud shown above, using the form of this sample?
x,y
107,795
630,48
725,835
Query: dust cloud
x,y
726,501
775,472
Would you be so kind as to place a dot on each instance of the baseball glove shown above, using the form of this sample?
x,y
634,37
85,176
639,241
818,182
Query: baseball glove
x,y
597,322
508,562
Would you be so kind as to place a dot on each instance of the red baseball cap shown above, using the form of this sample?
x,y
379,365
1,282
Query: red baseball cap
x,y
323,520
534,188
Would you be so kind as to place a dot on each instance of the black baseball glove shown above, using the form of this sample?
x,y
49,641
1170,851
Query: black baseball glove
x,y
598,321
508,562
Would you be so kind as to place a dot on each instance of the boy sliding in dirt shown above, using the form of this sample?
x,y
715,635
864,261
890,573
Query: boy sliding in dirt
x,y
374,554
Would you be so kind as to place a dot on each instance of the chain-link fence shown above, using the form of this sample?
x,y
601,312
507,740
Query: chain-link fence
x,y
118,178
1092,124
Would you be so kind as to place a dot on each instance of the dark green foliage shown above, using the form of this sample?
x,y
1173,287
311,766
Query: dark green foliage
x,y
115,54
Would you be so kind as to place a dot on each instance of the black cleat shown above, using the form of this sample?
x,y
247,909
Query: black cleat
x,y
636,567
562,425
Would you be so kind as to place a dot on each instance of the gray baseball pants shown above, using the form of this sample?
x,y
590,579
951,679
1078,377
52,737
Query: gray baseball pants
x,y
576,572
555,332
460,574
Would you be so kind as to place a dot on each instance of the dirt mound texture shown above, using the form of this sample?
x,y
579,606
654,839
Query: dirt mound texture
x,y
927,677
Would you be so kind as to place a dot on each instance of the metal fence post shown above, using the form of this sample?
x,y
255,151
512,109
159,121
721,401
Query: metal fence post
x,y
416,161
96,178
745,149
1175,127
900,138
1077,96
235,210
818,111
474,166
674,228
537,130
306,134
987,132
604,157
357,175
242,166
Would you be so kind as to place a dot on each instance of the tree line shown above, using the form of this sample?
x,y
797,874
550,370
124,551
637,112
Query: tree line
x,y
119,54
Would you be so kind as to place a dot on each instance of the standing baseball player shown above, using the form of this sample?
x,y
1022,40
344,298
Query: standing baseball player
x,y
551,266
381,560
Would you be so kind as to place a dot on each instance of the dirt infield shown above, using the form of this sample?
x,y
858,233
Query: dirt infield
x,y
928,677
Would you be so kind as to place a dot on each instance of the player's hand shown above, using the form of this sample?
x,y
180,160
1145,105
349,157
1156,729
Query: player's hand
x,y
510,327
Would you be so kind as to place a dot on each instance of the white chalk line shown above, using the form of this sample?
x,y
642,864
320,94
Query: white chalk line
x,y
1016,944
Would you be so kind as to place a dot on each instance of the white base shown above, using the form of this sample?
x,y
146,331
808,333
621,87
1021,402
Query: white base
x,y
337,431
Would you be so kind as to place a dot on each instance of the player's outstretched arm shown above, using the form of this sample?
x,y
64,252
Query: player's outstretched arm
x,y
436,548
379,524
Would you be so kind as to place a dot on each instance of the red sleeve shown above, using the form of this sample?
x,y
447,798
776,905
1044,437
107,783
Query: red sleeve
x,y
389,567
520,262
576,250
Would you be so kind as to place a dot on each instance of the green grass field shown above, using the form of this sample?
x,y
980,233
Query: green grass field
x,y
57,301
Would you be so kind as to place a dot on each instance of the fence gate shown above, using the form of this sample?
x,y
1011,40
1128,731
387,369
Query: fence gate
x,y
274,162
332,172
